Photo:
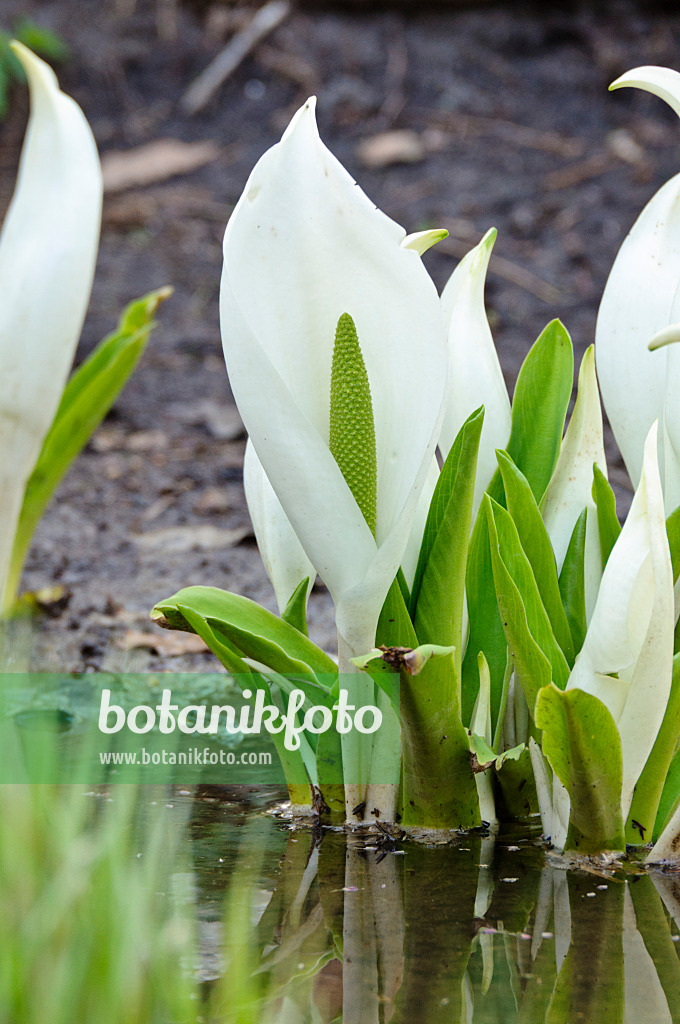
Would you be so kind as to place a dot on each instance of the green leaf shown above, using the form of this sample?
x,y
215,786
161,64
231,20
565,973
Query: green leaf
x,y
572,583
438,594
295,612
608,524
581,742
292,762
87,398
395,628
41,40
655,792
251,629
537,656
539,409
670,796
535,542
673,531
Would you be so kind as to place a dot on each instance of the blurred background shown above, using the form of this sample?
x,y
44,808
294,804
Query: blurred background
x,y
449,114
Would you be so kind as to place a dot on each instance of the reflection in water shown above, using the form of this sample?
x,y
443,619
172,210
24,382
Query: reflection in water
x,y
325,927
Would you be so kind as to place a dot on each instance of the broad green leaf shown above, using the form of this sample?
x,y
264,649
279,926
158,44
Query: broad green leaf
x,y
438,593
87,398
673,530
292,761
539,410
438,785
539,407
386,678
295,612
581,742
225,651
256,632
537,656
572,582
651,784
608,524
533,537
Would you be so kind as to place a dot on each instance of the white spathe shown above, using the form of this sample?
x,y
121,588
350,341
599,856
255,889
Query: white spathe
x,y
627,657
571,486
475,375
303,246
640,300
48,251
284,559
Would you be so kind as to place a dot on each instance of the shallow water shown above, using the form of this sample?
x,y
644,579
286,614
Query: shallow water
x,y
370,929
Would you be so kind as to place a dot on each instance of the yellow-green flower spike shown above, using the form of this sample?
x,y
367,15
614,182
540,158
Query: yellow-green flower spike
x,y
352,433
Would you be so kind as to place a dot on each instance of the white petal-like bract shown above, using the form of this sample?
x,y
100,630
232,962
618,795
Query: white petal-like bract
x,y
48,250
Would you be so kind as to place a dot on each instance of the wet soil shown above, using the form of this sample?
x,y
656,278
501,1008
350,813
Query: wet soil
x,y
513,127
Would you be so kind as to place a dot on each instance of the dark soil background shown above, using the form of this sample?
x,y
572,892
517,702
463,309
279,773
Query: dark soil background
x,y
509,124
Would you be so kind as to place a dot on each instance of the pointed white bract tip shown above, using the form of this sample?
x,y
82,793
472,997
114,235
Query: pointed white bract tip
x,y
489,239
666,336
481,254
650,460
306,115
661,82
421,241
38,72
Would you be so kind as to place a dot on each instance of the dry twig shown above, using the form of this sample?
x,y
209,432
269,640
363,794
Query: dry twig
x,y
237,49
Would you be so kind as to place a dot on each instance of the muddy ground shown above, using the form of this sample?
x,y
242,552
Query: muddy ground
x,y
512,126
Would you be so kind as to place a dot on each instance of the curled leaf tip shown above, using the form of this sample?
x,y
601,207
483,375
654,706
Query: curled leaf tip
x,y
421,241
661,82
38,71
489,239
666,336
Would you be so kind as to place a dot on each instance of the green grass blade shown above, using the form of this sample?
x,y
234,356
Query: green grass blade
x,y
87,398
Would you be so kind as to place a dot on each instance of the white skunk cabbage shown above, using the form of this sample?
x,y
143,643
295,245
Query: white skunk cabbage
x,y
641,305
475,373
570,490
627,657
48,250
285,562
318,285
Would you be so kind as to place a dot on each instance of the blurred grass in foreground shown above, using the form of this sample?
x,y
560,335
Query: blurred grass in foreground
x,y
91,925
